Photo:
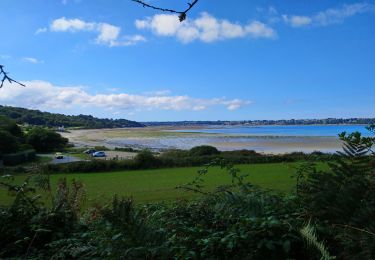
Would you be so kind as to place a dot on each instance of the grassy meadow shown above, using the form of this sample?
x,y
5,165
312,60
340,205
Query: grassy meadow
x,y
160,184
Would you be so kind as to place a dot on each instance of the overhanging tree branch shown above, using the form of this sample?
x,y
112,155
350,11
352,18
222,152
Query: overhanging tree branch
x,y
182,14
5,77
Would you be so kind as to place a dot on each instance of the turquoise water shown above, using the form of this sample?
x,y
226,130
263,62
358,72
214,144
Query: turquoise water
x,y
278,130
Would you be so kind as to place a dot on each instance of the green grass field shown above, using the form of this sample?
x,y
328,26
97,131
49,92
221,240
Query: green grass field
x,y
159,185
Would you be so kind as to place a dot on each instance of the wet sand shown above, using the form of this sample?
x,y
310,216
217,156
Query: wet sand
x,y
160,138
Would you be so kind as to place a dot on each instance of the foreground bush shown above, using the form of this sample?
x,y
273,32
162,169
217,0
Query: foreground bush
x,y
331,214
19,158
342,200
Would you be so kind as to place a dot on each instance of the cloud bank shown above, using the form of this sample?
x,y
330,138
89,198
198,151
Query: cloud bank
x,y
329,16
205,28
31,60
45,95
107,34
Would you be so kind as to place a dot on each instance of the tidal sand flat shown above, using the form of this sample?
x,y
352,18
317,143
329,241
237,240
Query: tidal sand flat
x,y
264,139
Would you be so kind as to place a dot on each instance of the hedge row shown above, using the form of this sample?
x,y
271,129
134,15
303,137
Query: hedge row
x,y
18,158
146,160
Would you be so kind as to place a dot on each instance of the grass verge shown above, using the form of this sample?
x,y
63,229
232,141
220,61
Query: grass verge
x,y
160,184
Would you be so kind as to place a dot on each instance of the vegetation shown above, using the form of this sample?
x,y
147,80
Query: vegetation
x,y
203,150
17,147
36,117
126,149
19,157
8,142
156,185
44,140
197,156
10,136
330,215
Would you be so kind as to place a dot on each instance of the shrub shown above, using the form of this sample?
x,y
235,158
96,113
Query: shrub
x,y
147,160
18,158
8,142
101,148
27,226
44,140
342,199
203,150
126,149
10,126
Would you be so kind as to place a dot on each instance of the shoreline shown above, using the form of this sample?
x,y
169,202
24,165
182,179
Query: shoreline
x,y
161,138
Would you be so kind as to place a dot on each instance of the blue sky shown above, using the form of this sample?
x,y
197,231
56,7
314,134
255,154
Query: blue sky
x,y
248,60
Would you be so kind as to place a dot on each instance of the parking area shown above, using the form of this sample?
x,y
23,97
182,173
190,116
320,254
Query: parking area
x,y
66,159
110,155
113,155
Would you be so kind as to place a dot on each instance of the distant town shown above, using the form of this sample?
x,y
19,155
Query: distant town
x,y
326,121
36,117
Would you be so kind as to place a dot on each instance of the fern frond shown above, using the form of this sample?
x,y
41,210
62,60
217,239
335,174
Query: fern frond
x,y
308,233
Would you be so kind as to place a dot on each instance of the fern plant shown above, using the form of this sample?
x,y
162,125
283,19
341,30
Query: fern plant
x,y
342,197
309,234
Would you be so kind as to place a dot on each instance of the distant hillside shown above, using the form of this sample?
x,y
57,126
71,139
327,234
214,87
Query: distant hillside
x,y
36,117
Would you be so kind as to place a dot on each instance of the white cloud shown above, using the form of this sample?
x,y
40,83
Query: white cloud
x,y
44,95
71,25
332,16
259,30
206,28
329,16
41,30
32,60
128,40
108,34
297,21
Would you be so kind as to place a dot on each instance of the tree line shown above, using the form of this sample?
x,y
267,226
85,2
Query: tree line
x,y
13,139
39,118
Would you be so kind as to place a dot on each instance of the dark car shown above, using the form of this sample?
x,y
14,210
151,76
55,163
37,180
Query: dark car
x,y
90,151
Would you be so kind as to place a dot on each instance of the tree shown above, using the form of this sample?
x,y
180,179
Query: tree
x,y
5,77
181,14
203,150
44,140
10,126
10,135
8,142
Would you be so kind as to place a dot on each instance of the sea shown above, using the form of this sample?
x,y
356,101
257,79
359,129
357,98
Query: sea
x,y
273,139
282,130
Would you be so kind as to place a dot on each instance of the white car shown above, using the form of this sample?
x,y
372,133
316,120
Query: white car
x,y
59,156
99,154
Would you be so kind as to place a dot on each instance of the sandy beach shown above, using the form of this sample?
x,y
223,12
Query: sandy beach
x,y
161,138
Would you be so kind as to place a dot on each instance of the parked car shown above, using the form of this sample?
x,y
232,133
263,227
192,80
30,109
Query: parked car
x,y
59,156
90,151
99,154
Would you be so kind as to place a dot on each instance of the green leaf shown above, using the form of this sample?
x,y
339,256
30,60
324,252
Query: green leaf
x,y
286,246
115,237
